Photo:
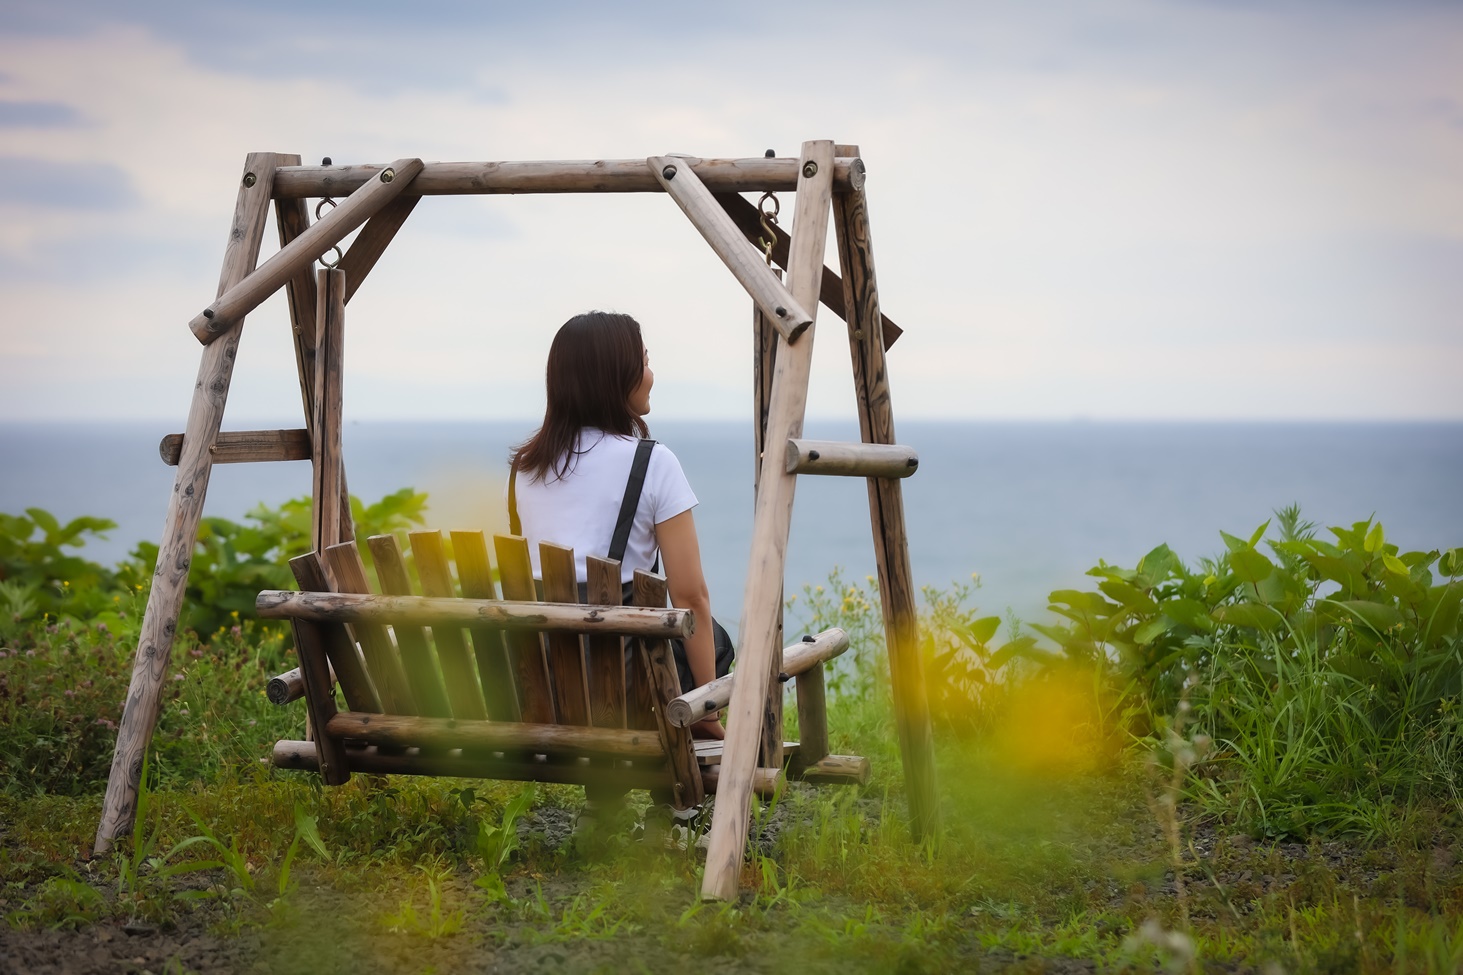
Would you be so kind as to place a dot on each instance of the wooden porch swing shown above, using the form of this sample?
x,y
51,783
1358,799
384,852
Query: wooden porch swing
x,y
456,681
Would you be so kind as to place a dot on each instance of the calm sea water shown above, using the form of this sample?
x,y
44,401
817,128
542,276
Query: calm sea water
x,y
1027,506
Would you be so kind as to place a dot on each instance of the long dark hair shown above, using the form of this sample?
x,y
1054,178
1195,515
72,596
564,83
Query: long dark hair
x,y
595,362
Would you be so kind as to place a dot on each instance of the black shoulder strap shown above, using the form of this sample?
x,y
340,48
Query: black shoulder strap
x,y
633,487
515,525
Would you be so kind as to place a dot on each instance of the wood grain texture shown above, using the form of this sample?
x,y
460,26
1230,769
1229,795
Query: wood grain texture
x,y
886,510
761,640
505,736
764,366
660,665
345,660
525,649
372,241
812,698
284,688
558,176
780,306
244,446
797,658
185,509
830,290
383,662
475,572
330,510
459,669
850,459
457,763
292,218
417,657
606,652
320,699
834,770
247,294
565,652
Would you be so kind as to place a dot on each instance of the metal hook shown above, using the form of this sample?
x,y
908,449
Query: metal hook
x,y
769,223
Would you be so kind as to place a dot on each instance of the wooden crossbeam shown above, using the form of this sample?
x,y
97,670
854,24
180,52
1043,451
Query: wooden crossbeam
x,y
778,305
562,176
372,241
247,294
850,459
244,446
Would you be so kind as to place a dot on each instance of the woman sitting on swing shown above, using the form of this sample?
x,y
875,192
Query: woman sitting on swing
x,y
588,478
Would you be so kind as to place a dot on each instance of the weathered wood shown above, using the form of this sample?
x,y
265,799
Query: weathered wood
x,y
320,699
470,551
767,783
525,649
460,763
411,640
886,509
830,290
850,459
709,752
764,366
606,651
244,446
812,697
371,242
185,508
557,176
345,659
797,659
780,307
834,770
330,511
504,736
383,662
284,688
247,294
459,671
761,640
565,652
665,683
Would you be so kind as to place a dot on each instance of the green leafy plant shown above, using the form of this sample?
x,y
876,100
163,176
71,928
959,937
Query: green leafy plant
x,y
496,843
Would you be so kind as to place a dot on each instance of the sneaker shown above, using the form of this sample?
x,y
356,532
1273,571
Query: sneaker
x,y
669,827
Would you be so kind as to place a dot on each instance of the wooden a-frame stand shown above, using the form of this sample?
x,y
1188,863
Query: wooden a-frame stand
x,y
708,191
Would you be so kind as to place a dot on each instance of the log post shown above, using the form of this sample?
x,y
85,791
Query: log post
x,y
763,598
185,508
764,365
330,512
886,510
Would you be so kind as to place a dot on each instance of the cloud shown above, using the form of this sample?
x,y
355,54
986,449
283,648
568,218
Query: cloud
x,y
64,185
37,115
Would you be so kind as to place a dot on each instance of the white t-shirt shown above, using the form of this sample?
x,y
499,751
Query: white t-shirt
x,y
580,509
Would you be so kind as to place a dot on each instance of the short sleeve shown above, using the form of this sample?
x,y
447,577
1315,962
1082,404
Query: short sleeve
x,y
669,493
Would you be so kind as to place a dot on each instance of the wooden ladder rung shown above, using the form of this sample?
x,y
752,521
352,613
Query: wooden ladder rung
x,y
244,446
850,459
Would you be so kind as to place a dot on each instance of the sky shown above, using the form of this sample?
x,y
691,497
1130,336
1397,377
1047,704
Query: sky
x,y
1128,209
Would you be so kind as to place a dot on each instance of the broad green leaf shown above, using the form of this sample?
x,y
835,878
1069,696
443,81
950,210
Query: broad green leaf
x,y
1375,539
1377,616
1451,563
1188,612
1023,647
1249,565
1396,565
44,520
1234,543
306,830
1259,533
1255,615
1152,630
1083,602
1128,595
984,628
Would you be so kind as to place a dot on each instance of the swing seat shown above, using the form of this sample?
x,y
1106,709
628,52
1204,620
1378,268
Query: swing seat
x,y
457,682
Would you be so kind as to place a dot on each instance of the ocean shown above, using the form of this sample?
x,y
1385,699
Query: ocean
x,y
1024,507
